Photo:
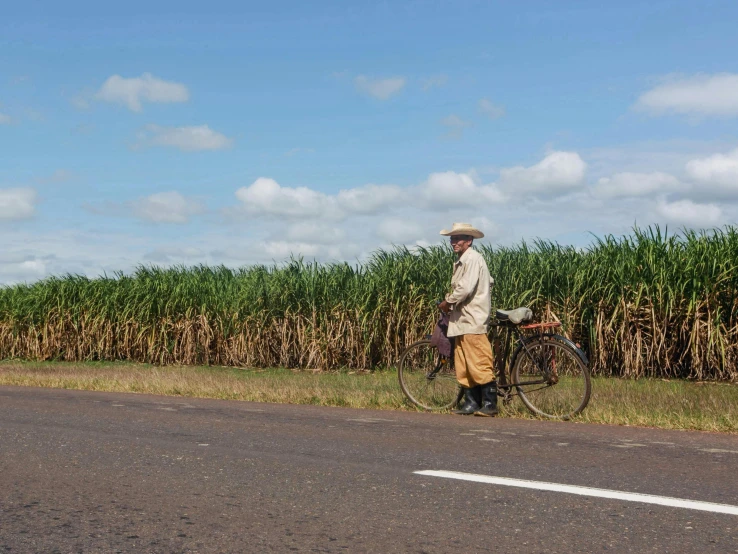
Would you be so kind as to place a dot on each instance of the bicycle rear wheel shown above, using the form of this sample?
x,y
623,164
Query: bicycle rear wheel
x,y
553,380
427,378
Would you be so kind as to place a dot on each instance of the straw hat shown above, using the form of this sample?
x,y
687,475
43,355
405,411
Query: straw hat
x,y
463,229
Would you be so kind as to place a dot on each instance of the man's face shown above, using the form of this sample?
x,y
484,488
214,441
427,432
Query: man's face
x,y
460,243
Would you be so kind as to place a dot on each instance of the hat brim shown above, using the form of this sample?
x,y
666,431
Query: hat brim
x,y
476,233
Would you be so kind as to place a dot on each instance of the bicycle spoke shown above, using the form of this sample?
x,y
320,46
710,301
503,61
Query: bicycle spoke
x,y
565,379
426,381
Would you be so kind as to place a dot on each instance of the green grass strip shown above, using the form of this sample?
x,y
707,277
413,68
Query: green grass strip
x,y
666,404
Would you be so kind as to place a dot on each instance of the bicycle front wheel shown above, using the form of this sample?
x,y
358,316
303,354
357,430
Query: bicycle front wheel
x,y
551,379
426,377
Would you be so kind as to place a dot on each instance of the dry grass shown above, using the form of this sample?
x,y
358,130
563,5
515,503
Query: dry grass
x,y
348,388
645,402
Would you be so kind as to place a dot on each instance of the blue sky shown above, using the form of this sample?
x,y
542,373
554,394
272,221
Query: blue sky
x,y
240,132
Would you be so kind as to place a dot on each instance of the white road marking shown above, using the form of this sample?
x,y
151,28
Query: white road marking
x,y
585,491
718,450
486,439
370,420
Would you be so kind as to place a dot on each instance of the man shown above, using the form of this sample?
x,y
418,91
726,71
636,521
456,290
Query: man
x,y
469,304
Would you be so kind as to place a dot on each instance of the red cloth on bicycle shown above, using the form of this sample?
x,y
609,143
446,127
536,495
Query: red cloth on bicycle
x,y
439,338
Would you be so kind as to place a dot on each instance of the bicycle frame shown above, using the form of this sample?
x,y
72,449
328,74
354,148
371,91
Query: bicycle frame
x,y
502,381
501,354
432,373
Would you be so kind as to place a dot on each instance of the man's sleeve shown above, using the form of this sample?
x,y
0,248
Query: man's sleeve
x,y
465,286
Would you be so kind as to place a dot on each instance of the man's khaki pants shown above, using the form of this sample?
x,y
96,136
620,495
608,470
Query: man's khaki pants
x,y
473,360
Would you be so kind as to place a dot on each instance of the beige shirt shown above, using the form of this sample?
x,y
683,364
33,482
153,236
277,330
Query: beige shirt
x,y
472,304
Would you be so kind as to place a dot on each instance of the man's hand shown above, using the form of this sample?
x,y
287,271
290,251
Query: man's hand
x,y
445,307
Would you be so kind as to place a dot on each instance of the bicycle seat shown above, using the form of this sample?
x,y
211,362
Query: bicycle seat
x,y
516,316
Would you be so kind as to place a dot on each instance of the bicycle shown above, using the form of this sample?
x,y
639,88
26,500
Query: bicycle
x,y
547,371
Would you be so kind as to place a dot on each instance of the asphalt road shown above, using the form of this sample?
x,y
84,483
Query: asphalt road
x,y
101,472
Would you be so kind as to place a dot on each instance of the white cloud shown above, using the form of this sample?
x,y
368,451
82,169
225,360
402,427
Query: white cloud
x,y
558,172
21,270
381,89
668,156
282,249
491,110
690,214
320,211
187,139
455,122
717,173
400,231
22,113
277,221
132,92
25,255
37,267
434,81
237,250
175,254
710,95
17,203
266,197
629,184
369,198
455,125
167,207
450,189
81,101
28,255
490,229
313,232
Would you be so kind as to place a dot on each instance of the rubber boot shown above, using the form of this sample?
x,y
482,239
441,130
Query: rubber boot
x,y
477,394
468,404
489,400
